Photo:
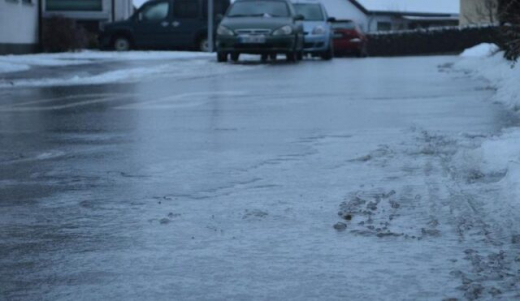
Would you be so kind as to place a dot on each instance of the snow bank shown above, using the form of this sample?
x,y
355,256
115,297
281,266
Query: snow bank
x,y
180,69
482,50
484,61
497,158
499,155
174,64
9,62
10,67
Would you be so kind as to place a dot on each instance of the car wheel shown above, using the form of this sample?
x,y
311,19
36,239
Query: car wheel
x,y
299,56
222,57
328,54
235,57
121,44
272,56
264,57
203,44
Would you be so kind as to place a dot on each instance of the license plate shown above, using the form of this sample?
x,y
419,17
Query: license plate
x,y
256,39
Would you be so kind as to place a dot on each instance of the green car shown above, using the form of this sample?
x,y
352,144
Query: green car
x,y
265,27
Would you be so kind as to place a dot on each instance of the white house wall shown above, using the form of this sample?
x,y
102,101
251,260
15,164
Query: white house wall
x,y
373,20
123,10
344,9
18,27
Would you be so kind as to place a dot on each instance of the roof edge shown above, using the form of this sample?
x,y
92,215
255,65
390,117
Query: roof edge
x,y
376,12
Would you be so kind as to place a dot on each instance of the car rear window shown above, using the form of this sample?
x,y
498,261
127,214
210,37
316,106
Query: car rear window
x,y
310,11
259,8
344,25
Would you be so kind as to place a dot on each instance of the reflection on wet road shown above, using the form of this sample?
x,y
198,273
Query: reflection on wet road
x,y
217,187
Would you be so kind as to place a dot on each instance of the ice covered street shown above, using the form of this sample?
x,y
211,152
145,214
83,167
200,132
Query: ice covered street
x,y
340,180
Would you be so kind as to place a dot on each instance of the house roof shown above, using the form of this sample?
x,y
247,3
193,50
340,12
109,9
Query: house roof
x,y
412,7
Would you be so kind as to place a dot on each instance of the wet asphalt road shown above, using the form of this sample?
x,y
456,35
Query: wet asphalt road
x,y
112,191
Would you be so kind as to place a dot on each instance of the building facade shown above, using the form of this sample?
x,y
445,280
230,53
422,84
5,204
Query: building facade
x,y
90,13
19,26
371,16
478,12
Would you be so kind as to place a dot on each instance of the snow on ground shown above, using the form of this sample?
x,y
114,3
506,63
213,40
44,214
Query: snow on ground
x,y
498,156
12,63
481,51
108,67
10,67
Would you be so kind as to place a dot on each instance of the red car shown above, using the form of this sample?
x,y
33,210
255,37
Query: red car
x,y
349,39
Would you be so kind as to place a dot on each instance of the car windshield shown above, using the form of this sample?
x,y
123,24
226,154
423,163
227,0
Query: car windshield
x,y
264,8
344,25
310,11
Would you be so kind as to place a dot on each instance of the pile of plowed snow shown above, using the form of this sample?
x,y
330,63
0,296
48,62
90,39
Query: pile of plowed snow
x,y
499,155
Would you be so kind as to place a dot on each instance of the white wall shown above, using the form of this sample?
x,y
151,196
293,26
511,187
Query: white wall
x,y
344,9
18,22
478,12
372,22
123,10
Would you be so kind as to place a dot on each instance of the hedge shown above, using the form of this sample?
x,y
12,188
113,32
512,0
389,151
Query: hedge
x,y
431,41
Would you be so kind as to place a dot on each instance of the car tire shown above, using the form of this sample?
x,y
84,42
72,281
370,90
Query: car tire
x,y
272,56
299,56
264,57
328,54
235,57
121,43
222,57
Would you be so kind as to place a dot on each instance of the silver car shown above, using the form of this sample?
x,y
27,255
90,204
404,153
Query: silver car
x,y
318,32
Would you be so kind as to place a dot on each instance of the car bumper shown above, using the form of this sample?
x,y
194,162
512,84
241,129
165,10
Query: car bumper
x,y
272,44
347,46
313,44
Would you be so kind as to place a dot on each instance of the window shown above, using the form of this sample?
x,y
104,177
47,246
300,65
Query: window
x,y
155,12
73,5
188,9
384,26
311,12
259,8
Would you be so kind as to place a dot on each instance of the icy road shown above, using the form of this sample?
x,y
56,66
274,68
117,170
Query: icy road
x,y
333,180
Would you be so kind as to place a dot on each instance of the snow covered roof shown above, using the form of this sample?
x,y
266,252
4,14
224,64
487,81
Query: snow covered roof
x,y
451,7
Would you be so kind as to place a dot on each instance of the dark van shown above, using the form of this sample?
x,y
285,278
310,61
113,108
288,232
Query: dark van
x,y
163,24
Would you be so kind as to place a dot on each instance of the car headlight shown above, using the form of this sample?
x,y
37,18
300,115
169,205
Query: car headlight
x,y
318,30
224,31
283,31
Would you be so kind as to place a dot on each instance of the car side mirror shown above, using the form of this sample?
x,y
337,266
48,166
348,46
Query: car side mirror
x,y
331,19
299,18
